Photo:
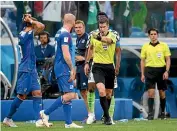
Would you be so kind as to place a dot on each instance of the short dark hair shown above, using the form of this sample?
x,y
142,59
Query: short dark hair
x,y
103,20
102,15
44,33
153,29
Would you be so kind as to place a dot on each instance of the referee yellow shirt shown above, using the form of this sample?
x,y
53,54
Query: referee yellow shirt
x,y
155,55
103,53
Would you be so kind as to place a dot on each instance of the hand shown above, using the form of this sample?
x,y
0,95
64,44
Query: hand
x,y
86,69
165,75
143,78
116,71
72,75
94,35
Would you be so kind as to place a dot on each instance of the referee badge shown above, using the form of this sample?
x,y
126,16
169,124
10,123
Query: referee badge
x,y
105,46
159,55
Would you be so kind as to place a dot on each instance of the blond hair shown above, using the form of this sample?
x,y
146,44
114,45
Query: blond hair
x,y
80,22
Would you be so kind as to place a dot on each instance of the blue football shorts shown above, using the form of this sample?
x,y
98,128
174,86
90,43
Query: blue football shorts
x,y
65,86
27,82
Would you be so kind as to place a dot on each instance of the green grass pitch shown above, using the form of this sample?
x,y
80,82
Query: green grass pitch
x,y
155,125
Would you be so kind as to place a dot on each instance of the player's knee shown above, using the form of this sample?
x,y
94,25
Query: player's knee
x,y
37,93
162,94
91,89
108,96
151,93
69,96
22,97
102,93
84,93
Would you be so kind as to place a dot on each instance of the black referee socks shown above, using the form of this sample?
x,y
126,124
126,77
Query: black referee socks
x,y
104,105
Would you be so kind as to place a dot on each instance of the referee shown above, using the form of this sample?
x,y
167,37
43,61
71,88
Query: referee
x,y
103,45
155,66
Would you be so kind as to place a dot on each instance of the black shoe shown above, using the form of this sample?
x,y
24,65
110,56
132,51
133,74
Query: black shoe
x,y
163,116
107,121
150,116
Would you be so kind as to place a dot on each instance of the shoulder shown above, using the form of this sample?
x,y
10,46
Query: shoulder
x,y
94,31
163,43
115,33
49,46
37,47
30,32
86,34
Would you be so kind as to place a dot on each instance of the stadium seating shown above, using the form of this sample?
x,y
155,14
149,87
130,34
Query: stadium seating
x,y
137,32
169,19
136,29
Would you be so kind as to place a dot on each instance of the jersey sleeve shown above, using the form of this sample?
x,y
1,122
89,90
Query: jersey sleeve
x,y
167,51
143,53
65,38
117,38
117,35
89,39
113,37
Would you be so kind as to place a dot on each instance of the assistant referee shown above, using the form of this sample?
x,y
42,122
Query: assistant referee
x,y
155,66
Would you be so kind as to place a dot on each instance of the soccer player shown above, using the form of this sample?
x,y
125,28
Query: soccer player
x,y
155,66
103,43
28,80
81,78
65,73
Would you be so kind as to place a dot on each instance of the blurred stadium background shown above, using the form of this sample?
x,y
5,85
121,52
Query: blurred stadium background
x,y
132,27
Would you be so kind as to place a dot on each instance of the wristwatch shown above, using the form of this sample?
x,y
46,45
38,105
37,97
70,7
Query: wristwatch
x,y
167,71
87,62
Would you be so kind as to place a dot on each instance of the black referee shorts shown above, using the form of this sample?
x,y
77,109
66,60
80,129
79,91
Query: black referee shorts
x,y
104,73
154,75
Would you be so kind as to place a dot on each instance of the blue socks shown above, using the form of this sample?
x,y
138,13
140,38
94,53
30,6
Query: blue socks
x,y
54,106
66,109
67,112
14,106
37,106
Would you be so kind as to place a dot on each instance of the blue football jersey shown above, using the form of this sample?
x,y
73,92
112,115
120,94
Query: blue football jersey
x,y
63,37
28,60
81,43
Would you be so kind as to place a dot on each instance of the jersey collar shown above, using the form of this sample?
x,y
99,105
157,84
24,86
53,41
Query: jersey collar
x,y
154,43
63,29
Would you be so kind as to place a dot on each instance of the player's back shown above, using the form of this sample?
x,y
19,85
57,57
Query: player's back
x,y
63,37
28,60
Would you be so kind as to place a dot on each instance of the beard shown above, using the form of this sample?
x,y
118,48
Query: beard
x,y
44,43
